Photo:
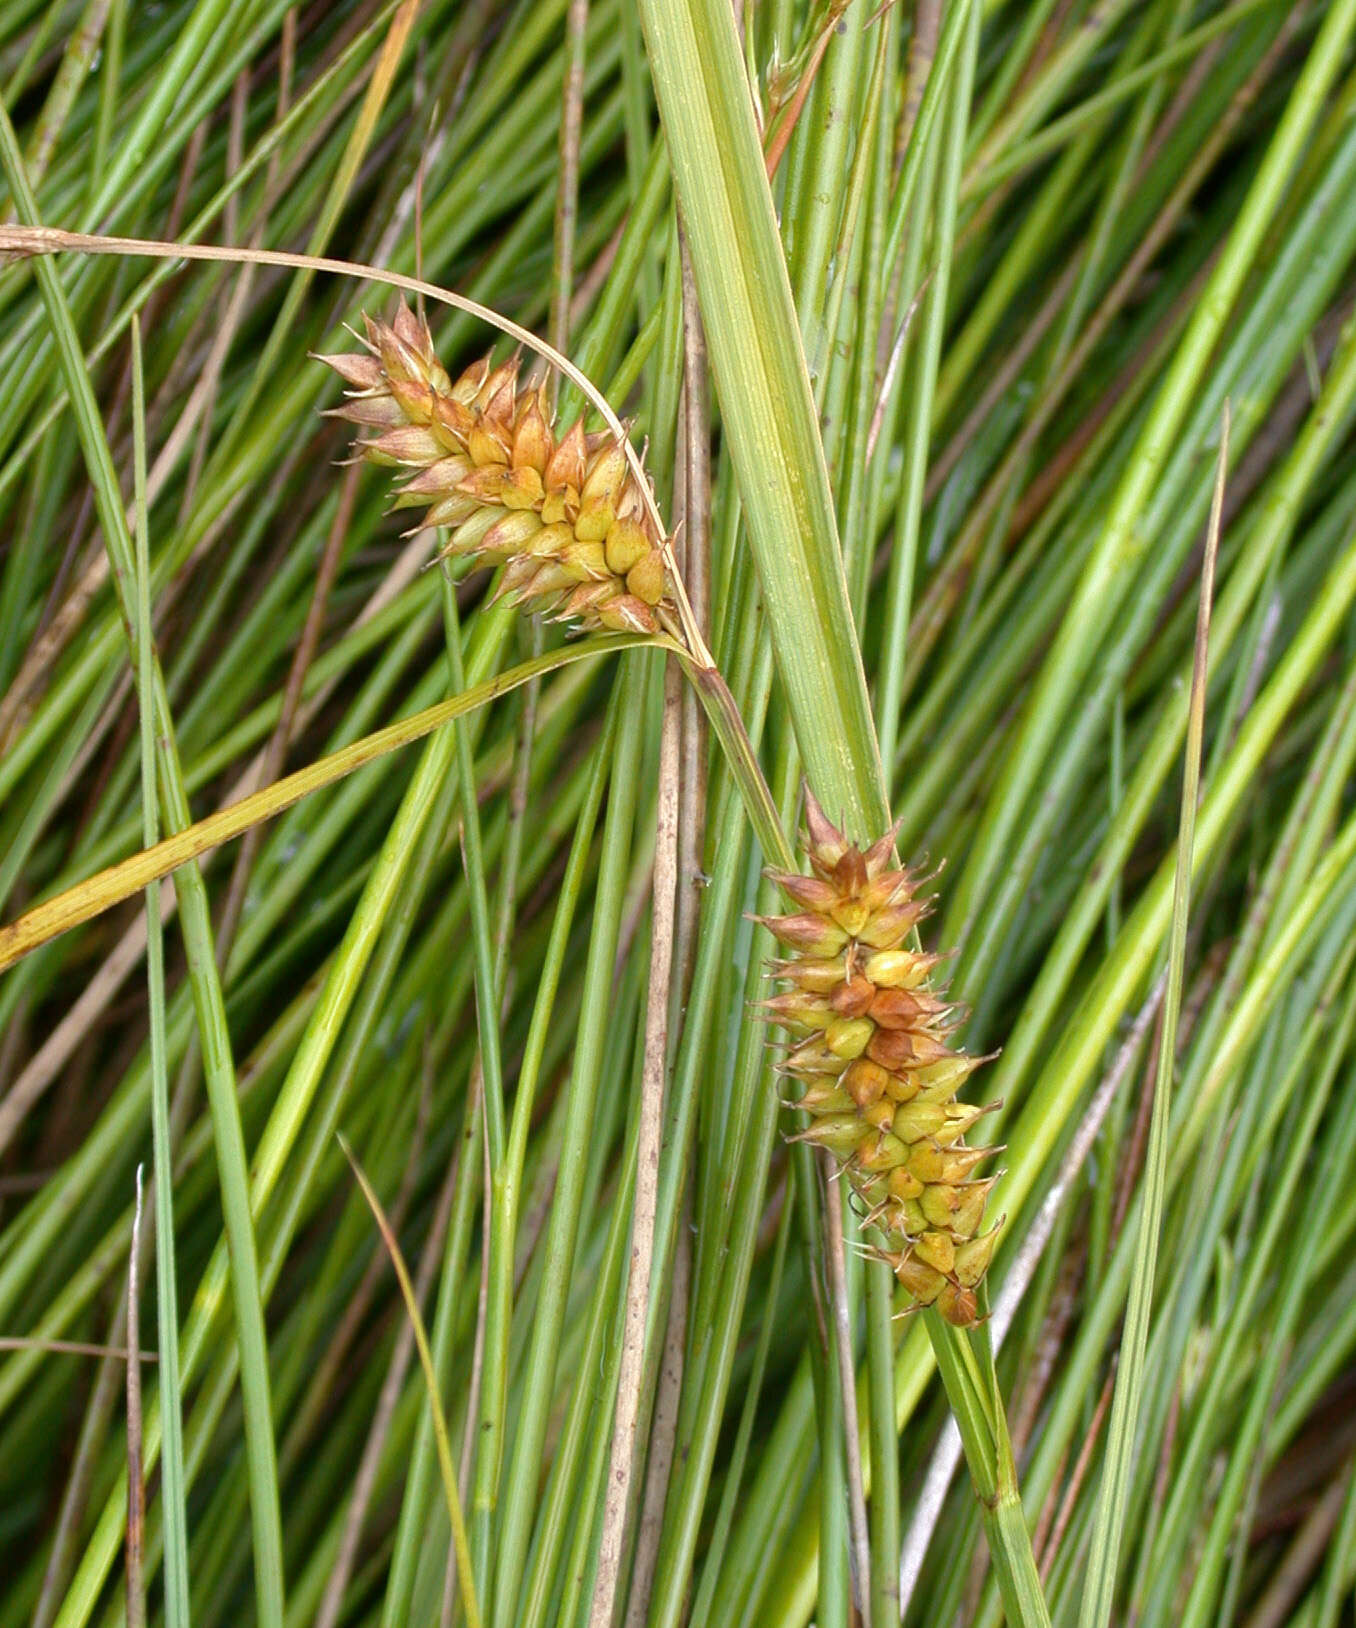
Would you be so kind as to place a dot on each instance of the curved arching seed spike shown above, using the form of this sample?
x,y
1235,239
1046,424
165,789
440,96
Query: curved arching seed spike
x,y
576,537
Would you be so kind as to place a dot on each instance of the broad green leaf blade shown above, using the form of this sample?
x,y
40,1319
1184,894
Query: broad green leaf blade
x,y
767,405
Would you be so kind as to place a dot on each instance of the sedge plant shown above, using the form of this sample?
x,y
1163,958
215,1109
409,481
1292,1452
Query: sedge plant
x,y
874,451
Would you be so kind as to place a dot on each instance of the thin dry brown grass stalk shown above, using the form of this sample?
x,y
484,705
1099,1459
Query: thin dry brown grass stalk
x,y
1163,1470
86,1459
14,1049
208,382
1048,1552
664,1430
55,633
692,542
365,1478
927,28
1129,1164
591,284
94,1425
1028,1399
654,1071
1276,433
1045,1520
889,373
45,1066
74,1348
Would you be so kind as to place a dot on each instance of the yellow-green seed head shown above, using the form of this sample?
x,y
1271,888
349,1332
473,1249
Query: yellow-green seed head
x,y
877,1075
566,517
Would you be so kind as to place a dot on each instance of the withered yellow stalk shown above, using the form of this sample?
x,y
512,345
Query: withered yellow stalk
x,y
565,516
875,1071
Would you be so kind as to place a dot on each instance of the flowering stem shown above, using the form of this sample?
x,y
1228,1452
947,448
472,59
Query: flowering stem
x,y
714,694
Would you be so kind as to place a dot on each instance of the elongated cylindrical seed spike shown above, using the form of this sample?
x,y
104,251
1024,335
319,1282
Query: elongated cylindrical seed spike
x,y
512,461
881,1076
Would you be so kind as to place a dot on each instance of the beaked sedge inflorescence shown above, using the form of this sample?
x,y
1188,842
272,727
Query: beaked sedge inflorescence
x,y
876,1074
565,516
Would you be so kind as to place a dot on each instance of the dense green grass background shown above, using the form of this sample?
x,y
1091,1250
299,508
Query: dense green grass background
x,y
1022,300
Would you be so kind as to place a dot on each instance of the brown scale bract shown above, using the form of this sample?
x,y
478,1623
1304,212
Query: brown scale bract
x,y
875,1071
565,517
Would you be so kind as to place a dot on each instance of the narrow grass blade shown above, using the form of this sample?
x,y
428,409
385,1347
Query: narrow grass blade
x,y
449,1475
767,405
1099,1594
209,1002
136,1477
172,1493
